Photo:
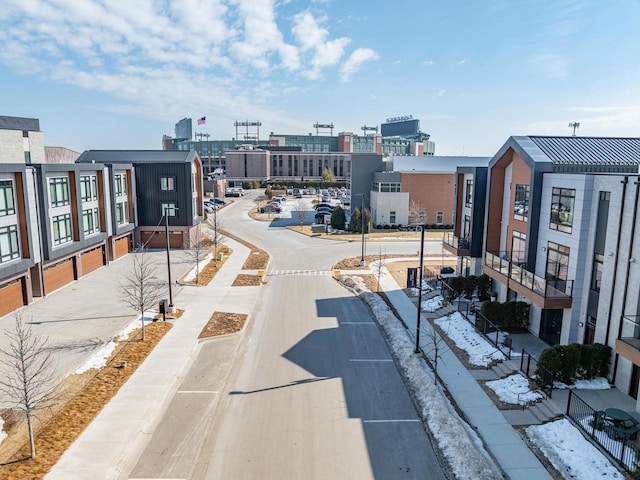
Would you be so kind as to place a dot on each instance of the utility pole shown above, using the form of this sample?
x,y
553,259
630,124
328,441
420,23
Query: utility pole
x,y
574,125
417,349
166,233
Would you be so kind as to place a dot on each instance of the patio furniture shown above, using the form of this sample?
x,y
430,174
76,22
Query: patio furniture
x,y
623,424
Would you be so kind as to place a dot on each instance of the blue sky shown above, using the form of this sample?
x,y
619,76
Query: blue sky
x,y
105,74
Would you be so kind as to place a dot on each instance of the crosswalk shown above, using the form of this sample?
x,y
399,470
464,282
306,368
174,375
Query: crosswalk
x,y
309,273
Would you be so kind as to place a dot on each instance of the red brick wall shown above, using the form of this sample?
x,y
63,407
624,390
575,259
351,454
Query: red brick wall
x,y
433,191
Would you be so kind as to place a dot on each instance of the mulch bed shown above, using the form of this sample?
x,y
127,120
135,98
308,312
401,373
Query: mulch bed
x,y
222,323
210,269
244,280
258,259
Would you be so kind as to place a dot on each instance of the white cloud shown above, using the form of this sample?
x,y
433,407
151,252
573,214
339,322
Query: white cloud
x,y
327,54
461,62
428,63
307,31
440,93
594,121
550,65
355,61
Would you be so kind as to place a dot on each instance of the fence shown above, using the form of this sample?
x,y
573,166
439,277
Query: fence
x,y
490,331
542,377
624,450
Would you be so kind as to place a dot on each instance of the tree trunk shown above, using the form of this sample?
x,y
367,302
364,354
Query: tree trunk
x,y
32,442
142,319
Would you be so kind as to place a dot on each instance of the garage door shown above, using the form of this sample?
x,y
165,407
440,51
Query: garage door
x,y
92,260
11,295
157,240
121,246
58,275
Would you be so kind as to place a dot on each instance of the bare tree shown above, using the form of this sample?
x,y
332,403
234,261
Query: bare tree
x,y
301,211
380,264
417,212
436,347
200,247
137,290
215,234
29,381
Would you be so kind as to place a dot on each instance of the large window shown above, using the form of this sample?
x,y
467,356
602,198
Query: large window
x,y
122,213
562,202
167,183
439,218
169,208
59,191
88,188
557,265
521,204
596,272
468,198
62,229
90,221
392,217
9,248
518,247
120,184
7,202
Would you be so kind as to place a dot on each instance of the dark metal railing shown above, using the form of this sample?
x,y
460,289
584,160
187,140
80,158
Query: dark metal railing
x,y
624,450
540,375
490,331
459,243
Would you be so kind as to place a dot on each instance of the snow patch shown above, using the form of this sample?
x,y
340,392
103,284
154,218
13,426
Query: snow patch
x,y
191,274
3,434
514,389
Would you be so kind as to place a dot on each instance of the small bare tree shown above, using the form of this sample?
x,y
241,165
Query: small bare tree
x,y
417,212
215,234
29,380
200,247
436,347
380,264
138,290
301,211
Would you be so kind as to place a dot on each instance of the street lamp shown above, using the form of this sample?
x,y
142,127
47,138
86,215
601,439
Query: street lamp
x,y
168,209
361,195
417,349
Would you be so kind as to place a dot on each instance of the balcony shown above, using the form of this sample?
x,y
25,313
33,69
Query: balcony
x,y
549,294
456,245
628,341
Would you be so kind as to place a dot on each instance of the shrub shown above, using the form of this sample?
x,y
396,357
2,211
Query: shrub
x,y
594,361
562,360
386,227
483,286
470,286
457,285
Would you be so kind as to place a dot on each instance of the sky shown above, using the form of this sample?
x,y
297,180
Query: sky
x,y
103,74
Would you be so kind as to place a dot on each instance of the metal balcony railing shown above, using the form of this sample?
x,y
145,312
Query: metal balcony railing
x,y
630,330
459,243
552,288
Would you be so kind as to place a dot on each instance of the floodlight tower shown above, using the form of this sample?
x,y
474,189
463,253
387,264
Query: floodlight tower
x,y
323,126
574,125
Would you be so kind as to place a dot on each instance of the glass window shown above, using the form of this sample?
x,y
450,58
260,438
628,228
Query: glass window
x,y
596,272
521,203
7,202
468,199
167,183
518,247
169,208
88,188
392,217
90,221
122,213
562,202
439,218
9,248
62,229
120,184
557,261
59,191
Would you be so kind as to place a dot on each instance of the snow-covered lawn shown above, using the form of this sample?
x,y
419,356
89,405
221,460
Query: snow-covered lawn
x,y
570,453
481,352
514,389
432,304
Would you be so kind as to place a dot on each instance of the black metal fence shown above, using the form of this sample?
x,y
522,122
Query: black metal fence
x,y
541,376
494,335
624,450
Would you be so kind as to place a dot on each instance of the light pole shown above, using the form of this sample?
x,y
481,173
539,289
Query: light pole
x,y
417,350
166,234
361,195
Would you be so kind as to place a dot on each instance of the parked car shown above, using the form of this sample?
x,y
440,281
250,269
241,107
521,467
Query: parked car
x,y
324,205
219,201
270,208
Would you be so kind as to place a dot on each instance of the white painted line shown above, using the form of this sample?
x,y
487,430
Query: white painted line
x,y
370,360
357,323
198,391
412,420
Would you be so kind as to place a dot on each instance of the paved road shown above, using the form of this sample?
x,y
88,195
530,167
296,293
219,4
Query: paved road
x,y
313,392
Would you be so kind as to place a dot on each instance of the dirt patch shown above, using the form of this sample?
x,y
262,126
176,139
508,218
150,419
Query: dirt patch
x,y
244,280
398,270
211,269
354,262
258,259
82,398
222,323
377,235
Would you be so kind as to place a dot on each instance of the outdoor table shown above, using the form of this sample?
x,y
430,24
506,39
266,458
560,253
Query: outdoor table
x,y
619,417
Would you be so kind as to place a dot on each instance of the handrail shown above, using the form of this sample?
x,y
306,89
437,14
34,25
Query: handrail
x,y
459,243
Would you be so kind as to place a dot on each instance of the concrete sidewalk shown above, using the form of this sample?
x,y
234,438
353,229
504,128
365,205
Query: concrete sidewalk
x,y
112,443
501,440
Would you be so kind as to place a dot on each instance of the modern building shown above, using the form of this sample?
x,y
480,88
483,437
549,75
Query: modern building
x,y
21,140
166,183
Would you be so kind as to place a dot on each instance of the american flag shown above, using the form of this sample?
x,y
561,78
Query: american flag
x,y
202,121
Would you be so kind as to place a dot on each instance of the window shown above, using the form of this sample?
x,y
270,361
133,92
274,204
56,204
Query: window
x,y
596,272
439,218
392,217
59,191
120,184
557,266
62,229
88,188
7,203
521,203
169,208
518,247
167,183
9,249
122,213
468,199
562,201
90,221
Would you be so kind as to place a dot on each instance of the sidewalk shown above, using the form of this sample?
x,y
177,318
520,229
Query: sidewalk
x,y
115,438
501,440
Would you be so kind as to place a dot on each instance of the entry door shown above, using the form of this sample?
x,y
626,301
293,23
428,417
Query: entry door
x,y
551,326
635,377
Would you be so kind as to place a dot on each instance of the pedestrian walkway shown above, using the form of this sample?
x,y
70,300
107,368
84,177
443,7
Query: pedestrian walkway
x,y
501,440
111,444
